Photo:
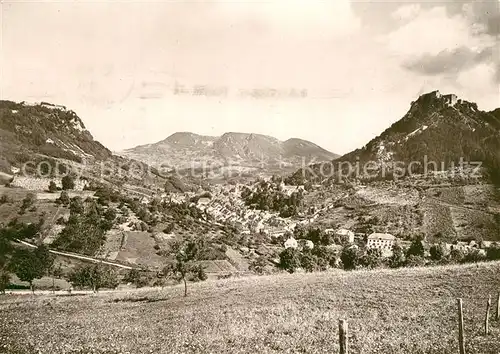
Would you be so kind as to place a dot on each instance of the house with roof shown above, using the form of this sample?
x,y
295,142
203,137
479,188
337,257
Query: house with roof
x,y
487,244
203,202
381,241
345,235
291,243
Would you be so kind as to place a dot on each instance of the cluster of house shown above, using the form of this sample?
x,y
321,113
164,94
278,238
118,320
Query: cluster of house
x,y
344,235
226,205
385,243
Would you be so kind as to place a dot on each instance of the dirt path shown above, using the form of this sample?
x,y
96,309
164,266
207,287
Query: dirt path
x,y
79,256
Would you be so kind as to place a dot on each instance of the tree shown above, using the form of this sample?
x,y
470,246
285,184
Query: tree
x,y
416,248
44,257
397,258
30,265
95,276
4,280
289,259
64,198
372,258
437,252
185,253
349,257
325,257
28,201
76,205
84,233
52,187
110,214
138,277
68,182
308,261
55,272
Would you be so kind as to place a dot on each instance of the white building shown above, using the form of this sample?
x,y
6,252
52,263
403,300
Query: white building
x,y
291,243
381,241
309,244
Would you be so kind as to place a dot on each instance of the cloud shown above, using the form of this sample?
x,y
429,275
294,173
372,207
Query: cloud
x,y
485,15
445,41
449,61
431,32
406,12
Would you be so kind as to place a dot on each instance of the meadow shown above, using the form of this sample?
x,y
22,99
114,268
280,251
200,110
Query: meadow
x,y
389,311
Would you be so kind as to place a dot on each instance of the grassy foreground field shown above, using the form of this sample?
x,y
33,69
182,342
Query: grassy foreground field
x,y
389,311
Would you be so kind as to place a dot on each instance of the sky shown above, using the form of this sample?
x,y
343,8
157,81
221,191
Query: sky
x,y
335,72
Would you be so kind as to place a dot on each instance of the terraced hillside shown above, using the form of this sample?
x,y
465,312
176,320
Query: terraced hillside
x,y
442,213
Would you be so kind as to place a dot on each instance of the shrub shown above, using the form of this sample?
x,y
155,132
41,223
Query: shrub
x,y
63,198
473,256
68,182
110,214
415,261
76,205
372,258
198,273
493,252
258,265
139,278
28,201
456,255
4,199
52,187
169,228
289,260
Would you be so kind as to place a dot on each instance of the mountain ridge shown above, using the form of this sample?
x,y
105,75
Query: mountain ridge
x,y
40,130
437,127
183,149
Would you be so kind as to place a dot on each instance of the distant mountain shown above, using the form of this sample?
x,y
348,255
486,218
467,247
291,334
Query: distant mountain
x,y
184,150
30,131
439,128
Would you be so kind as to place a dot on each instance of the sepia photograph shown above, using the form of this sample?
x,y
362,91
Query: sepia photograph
x,y
250,176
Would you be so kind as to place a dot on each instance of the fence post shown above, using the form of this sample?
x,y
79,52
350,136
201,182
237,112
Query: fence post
x,y
343,332
487,317
461,344
498,308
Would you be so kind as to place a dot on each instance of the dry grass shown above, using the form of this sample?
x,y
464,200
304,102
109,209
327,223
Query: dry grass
x,y
139,249
402,311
